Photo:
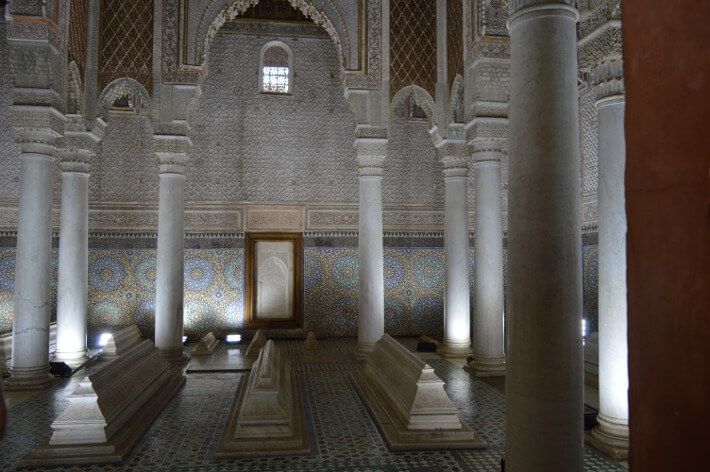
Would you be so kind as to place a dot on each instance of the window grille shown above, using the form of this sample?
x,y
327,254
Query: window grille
x,y
276,70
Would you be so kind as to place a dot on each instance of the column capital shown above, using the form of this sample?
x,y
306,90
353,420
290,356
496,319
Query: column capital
x,y
519,8
370,155
38,128
487,151
608,80
75,160
453,155
79,145
172,152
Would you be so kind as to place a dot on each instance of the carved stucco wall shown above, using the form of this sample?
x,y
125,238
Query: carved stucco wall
x,y
125,169
588,133
249,146
9,150
412,173
490,18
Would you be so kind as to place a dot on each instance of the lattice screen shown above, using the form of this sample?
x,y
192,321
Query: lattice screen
x,y
126,41
454,39
412,45
78,25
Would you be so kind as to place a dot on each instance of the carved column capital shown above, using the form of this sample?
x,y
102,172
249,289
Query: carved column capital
x,y
75,160
38,128
488,151
454,156
519,8
608,80
517,5
370,155
172,152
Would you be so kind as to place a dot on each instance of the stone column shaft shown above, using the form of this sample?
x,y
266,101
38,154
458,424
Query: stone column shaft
x,y
371,306
488,316
457,314
613,418
544,379
33,262
73,269
172,155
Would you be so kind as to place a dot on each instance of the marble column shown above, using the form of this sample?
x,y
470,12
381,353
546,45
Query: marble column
x,y
612,433
29,367
371,154
488,311
457,315
172,152
73,269
544,374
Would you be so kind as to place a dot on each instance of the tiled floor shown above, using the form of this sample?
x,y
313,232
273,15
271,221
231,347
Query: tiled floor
x,y
185,435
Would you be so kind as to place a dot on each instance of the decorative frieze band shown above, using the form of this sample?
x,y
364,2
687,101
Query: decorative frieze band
x,y
275,218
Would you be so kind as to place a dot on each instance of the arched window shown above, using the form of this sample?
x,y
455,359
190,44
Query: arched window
x,y
276,68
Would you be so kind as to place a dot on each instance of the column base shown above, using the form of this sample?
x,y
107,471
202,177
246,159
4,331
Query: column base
x,y
71,358
610,438
487,367
174,355
28,378
363,351
451,350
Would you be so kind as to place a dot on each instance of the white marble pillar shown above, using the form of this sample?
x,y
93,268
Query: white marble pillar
x,y
172,152
612,433
73,268
488,321
544,374
457,315
370,154
29,367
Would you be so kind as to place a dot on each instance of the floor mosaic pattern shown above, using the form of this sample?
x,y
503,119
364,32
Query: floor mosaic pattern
x,y
185,435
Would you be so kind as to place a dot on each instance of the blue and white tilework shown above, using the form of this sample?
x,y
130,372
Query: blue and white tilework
x,y
122,290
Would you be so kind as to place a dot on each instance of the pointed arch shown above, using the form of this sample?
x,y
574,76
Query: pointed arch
x,y
230,12
119,88
421,97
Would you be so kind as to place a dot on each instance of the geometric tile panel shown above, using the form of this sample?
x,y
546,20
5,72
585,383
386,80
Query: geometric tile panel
x,y
414,291
122,290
